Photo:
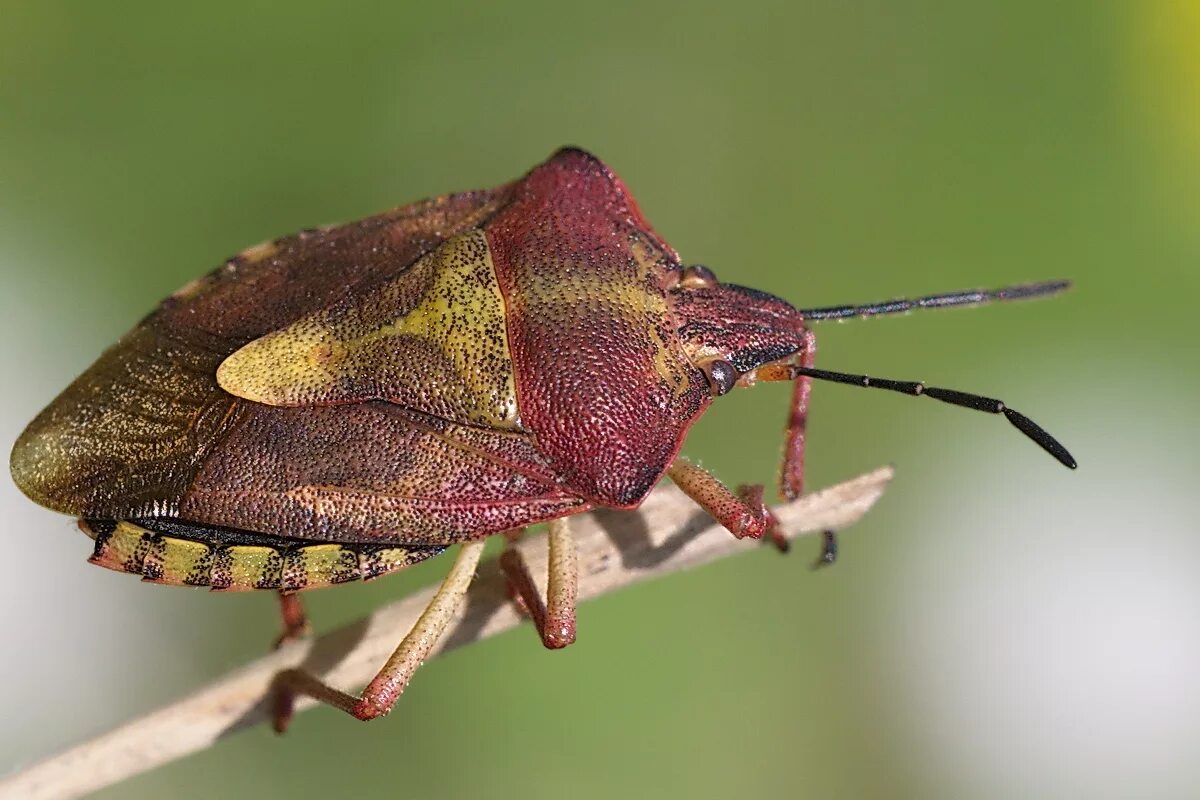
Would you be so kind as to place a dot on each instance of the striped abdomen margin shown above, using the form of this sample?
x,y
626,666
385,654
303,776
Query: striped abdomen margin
x,y
255,563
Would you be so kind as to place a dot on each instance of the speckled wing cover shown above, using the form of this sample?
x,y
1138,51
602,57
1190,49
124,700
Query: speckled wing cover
x,y
444,371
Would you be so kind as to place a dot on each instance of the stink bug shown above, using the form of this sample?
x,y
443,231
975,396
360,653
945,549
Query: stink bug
x,y
347,401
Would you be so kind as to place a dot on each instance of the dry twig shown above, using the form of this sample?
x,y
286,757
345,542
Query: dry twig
x,y
668,534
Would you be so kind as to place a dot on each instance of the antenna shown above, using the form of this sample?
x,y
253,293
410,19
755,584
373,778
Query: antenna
x,y
968,297
978,402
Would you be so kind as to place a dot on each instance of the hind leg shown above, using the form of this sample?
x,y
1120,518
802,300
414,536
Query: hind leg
x,y
295,621
386,687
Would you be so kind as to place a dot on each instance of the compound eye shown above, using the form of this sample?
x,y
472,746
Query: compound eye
x,y
697,276
721,376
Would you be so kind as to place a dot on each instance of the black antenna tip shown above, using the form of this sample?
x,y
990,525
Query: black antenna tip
x,y
1047,442
1028,290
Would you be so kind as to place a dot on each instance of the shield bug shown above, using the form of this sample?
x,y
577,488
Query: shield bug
x,y
347,401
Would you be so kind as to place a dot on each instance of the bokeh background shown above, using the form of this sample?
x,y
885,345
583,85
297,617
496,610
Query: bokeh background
x,y
998,627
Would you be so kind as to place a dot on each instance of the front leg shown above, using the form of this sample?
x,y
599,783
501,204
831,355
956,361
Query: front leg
x,y
791,473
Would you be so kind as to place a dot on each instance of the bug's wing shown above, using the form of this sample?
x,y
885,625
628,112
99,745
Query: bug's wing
x,y
175,445
273,284
601,378
372,472
130,434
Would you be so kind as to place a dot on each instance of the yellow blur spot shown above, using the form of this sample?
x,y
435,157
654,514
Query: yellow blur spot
x,y
1163,77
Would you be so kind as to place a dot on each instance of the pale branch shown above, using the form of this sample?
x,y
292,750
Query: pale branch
x,y
616,548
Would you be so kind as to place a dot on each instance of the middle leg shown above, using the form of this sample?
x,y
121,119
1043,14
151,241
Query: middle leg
x,y
554,618
744,514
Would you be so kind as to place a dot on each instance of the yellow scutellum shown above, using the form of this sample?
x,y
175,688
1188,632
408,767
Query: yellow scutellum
x,y
452,329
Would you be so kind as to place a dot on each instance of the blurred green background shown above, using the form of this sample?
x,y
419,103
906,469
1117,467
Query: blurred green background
x,y
997,627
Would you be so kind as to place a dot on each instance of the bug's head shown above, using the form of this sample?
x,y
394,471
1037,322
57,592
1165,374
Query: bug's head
x,y
728,330
738,336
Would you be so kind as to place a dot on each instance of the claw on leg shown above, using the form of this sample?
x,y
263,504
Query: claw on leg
x,y
554,618
386,687
829,550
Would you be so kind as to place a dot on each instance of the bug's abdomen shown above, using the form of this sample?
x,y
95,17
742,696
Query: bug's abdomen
x,y
248,562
